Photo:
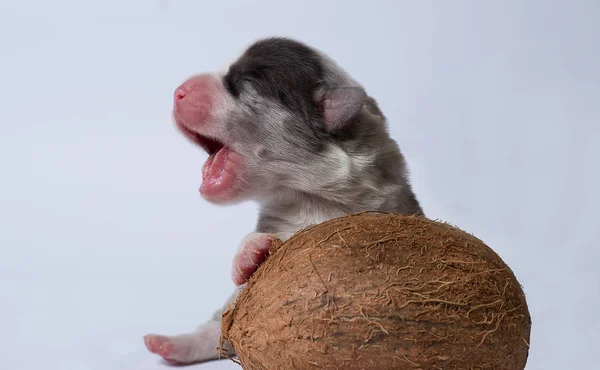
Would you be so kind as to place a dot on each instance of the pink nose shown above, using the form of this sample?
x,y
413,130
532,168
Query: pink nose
x,y
194,100
180,93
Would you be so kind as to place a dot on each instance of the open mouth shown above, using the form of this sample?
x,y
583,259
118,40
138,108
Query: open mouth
x,y
210,145
218,172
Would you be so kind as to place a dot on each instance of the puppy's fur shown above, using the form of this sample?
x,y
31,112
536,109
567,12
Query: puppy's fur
x,y
302,138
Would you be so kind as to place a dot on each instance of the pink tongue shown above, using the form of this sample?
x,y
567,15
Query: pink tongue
x,y
212,171
219,176
215,179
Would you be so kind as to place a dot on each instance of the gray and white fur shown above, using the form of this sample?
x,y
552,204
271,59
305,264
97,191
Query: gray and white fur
x,y
303,139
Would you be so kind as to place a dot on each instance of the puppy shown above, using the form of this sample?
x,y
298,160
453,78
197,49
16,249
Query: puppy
x,y
287,127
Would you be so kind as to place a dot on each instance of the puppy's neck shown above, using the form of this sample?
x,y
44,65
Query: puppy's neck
x,y
289,211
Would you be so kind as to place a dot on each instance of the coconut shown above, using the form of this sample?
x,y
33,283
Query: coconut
x,y
380,291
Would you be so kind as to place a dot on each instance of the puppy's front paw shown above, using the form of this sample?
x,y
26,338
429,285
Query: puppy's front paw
x,y
252,252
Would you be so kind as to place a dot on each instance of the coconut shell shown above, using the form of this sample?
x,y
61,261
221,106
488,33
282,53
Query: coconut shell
x,y
380,291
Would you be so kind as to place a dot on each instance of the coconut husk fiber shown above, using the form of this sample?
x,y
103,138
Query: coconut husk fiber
x,y
380,291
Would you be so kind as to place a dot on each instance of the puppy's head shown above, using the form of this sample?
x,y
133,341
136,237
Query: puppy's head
x,y
270,121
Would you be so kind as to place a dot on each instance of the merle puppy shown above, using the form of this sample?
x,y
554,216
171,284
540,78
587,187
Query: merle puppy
x,y
287,127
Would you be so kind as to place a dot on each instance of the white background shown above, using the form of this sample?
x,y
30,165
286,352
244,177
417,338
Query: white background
x,y
104,237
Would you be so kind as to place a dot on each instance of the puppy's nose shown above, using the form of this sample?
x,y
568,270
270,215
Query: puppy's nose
x,y
180,93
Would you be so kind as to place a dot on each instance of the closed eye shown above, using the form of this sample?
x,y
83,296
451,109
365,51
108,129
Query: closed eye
x,y
235,82
246,77
250,76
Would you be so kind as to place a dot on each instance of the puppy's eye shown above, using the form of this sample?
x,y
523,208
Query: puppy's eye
x,y
249,76
235,81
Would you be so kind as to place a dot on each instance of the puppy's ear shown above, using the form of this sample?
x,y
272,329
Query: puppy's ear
x,y
340,105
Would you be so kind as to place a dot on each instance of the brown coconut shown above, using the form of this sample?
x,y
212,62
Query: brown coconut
x,y
380,291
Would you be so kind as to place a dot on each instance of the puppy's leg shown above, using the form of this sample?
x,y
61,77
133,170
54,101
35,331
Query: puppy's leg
x,y
202,344
198,346
253,250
